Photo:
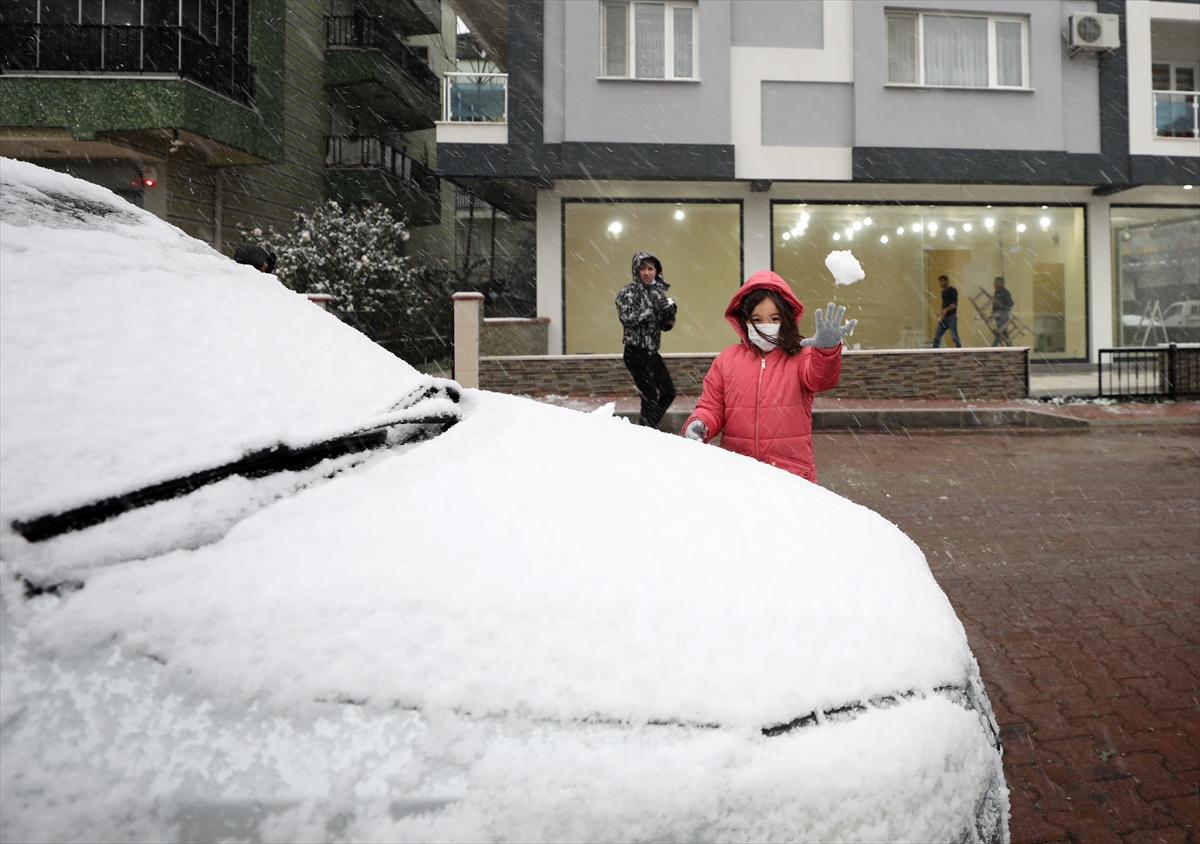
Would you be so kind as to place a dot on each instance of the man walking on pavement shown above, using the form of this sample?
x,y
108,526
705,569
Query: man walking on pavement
x,y
1002,305
948,320
645,312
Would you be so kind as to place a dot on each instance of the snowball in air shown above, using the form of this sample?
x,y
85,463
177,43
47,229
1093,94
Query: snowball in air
x,y
844,266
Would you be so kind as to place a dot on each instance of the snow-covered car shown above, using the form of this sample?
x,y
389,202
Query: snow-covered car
x,y
261,580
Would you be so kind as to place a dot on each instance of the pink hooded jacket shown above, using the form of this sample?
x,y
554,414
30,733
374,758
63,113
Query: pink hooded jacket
x,y
763,402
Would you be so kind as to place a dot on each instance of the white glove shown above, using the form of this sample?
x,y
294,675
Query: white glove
x,y
829,334
696,430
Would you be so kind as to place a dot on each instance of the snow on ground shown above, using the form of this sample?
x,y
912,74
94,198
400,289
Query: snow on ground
x,y
543,624
131,353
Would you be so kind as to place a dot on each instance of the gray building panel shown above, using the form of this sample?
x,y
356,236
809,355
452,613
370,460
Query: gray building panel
x,y
635,111
554,72
976,119
807,114
776,23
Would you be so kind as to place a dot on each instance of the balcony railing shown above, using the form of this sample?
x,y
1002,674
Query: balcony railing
x,y
88,48
355,151
475,98
361,32
1177,114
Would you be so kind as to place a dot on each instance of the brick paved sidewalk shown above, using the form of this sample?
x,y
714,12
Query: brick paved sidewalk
x,y
1074,564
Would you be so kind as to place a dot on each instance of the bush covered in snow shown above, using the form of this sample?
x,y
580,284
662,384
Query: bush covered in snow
x,y
357,255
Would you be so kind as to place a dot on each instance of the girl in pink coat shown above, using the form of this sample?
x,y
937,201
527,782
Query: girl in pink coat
x,y
759,393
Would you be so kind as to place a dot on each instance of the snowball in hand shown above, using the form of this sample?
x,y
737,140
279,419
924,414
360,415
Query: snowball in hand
x,y
844,266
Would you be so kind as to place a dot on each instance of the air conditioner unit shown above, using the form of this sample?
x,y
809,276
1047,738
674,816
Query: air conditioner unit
x,y
1095,32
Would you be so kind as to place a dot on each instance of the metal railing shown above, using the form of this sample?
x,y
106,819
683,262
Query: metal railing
x,y
95,48
1168,371
358,151
475,97
360,32
1177,114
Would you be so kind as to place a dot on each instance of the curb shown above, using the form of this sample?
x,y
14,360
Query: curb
x,y
883,419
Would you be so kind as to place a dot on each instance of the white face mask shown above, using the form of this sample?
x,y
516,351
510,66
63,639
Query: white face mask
x,y
765,335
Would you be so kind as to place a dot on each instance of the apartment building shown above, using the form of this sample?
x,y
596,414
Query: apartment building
x,y
1053,143
225,114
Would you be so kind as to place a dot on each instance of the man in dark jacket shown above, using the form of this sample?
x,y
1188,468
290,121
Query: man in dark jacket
x,y
948,316
645,312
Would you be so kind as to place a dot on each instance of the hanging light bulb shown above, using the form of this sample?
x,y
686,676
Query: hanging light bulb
x,y
966,227
883,239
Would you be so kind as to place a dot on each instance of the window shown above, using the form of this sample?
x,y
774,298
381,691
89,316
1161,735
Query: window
x,y
1173,76
957,51
648,40
1039,251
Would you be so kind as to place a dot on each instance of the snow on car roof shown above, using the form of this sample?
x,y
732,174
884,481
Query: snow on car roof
x,y
131,353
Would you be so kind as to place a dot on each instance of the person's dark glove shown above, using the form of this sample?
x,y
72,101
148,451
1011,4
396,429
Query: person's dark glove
x,y
829,334
696,430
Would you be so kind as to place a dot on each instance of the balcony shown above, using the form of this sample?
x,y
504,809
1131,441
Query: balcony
x,y
1177,114
380,72
412,17
125,50
474,108
363,169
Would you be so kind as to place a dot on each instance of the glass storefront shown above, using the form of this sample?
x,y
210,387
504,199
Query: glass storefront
x,y
1156,261
1038,250
699,244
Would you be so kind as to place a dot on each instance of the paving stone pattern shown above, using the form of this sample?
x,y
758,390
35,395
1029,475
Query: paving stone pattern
x,y
1074,564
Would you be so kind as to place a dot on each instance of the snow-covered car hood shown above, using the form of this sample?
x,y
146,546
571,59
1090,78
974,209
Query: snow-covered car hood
x,y
538,617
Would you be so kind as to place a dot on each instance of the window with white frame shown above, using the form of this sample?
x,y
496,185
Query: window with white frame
x,y
957,51
648,40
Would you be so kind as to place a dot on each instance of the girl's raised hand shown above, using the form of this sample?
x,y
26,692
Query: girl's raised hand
x,y
829,334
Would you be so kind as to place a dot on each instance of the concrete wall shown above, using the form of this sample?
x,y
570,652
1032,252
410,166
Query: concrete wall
x,y
958,375
796,24
1060,111
579,106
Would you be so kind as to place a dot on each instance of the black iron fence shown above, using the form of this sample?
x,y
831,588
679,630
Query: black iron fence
x,y
373,153
1169,371
88,48
365,33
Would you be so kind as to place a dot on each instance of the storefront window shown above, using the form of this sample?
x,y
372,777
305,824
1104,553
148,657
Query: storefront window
x,y
699,244
1039,251
1157,265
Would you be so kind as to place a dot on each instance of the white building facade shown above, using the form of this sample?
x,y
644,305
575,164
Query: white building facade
x,y
1052,143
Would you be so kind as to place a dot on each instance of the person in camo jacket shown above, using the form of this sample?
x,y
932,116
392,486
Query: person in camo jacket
x,y
645,312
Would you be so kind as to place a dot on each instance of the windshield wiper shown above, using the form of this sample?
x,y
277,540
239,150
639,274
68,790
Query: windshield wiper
x,y
399,428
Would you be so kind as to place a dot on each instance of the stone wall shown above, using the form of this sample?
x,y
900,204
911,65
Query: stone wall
x,y
957,374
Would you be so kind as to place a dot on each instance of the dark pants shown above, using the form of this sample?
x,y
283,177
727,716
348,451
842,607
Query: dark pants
x,y
1000,335
653,383
950,321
